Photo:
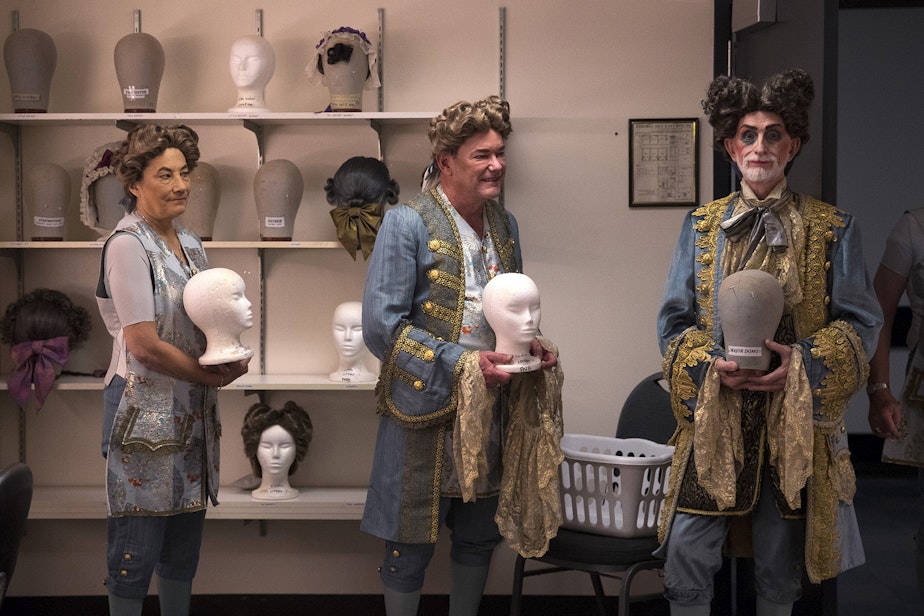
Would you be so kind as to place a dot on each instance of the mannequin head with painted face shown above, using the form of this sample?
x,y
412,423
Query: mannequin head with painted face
x,y
214,299
512,309
347,329
252,64
275,441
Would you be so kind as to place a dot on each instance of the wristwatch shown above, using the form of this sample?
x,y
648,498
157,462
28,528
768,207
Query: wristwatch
x,y
874,387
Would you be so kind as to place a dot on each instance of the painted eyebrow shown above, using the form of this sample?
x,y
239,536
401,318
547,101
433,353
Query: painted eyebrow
x,y
750,127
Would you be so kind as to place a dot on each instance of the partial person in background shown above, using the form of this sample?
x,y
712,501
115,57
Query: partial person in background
x,y
766,444
901,421
160,422
423,318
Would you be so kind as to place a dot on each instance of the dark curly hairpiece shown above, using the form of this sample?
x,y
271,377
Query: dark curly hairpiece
x,y
788,94
44,314
359,181
293,418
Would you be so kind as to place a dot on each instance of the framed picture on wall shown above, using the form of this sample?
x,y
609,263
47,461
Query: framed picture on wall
x,y
664,162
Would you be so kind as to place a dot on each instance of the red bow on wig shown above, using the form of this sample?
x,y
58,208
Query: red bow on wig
x,y
37,363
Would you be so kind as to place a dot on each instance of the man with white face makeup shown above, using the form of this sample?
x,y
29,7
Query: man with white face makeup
x,y
766,447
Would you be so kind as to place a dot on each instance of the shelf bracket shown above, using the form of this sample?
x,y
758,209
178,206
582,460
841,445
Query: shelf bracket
x,y
260,523
258,16
377,127
125,125
257,130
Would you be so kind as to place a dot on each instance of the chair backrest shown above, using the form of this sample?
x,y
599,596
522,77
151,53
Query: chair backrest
x,y
15,501
647,412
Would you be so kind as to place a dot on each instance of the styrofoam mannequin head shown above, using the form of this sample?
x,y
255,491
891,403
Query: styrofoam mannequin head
x,y
750,307
512,308
347,329
214,299
276,453
252,63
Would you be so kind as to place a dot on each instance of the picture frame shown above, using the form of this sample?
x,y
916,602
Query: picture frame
x,y
664,162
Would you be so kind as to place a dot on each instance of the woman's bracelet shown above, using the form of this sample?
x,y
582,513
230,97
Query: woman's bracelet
x,y
874,387
221,380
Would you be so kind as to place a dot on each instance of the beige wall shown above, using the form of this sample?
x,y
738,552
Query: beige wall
x,y
576,72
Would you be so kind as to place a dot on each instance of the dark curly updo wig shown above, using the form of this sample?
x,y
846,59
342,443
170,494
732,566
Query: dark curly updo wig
x,y
44,314
359,181
293,419
787,94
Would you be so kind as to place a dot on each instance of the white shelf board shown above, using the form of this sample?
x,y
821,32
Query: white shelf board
x,y
298,117
98,244
248,382
89,503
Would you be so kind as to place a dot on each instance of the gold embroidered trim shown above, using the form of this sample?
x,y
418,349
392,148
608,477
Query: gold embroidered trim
x,y
438,312
685,351
418,350
819,219
445,302
843,354
708,229
443,247
437,482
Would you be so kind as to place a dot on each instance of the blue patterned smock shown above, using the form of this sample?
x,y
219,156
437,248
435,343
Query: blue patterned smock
x,y
164,446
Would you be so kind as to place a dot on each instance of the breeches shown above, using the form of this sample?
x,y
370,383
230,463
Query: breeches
x,y
474,536
694,554
141,545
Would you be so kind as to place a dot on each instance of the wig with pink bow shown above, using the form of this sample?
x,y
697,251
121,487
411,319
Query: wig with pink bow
x,y
42,327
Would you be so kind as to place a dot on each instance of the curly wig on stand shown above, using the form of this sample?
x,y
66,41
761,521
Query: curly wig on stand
x,y
291,417
43,314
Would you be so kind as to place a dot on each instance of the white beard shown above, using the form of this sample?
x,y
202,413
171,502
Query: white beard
x,y
763,175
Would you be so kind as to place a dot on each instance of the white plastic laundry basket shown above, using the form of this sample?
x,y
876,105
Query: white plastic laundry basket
x,y
612,486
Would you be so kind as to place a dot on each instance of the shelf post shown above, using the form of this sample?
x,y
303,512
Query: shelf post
x,y
381,53
503,52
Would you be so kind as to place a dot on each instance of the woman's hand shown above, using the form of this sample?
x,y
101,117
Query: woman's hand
x,y
228,373
885,414
546,357
493,376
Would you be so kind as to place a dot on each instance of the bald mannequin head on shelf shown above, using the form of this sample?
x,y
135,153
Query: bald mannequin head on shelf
x,y
511,307
347,327
214,299
252,64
